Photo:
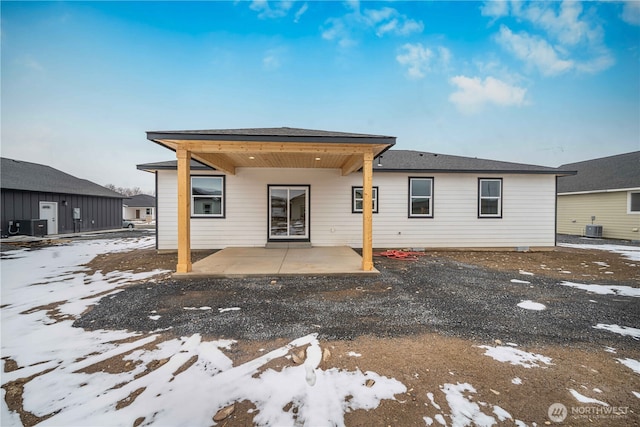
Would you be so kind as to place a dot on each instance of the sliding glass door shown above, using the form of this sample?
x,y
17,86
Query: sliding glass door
x,y
288,212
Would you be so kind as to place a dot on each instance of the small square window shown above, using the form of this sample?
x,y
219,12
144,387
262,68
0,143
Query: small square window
x,y
357,197
490,198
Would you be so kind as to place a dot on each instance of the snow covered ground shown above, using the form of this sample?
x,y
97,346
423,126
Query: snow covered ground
x,y
188,379
44,290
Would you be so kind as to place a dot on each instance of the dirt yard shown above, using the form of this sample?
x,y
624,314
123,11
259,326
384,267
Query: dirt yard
x,y
429,362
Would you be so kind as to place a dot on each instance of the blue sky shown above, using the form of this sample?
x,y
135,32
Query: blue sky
x,y
533,82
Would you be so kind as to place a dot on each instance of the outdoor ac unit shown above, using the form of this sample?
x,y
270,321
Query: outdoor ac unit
x,y
32,227
593,231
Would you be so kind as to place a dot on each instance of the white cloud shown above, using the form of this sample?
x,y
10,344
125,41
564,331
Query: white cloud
x,y
495,8
300,12
420,60
565,25
631,12
266,10
473,93
271,60
570,39
534,51
383,21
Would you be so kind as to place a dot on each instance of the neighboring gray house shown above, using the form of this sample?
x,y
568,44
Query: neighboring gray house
x,y
32,191
606,193
139,207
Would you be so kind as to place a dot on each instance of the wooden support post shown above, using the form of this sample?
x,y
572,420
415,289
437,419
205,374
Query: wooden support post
x,y
367,212
184,211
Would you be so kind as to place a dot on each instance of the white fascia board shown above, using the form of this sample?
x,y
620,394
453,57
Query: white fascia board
x,y
612,190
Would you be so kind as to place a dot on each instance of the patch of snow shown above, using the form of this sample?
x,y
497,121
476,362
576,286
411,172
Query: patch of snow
x,y
601,263
565,272
526,273
530,305
584,399
512,344
464,412
597,390
520,281
433,402
195,380
515,356
630,252
155,317
622,330
224,310
631,363
354,354
610,349
619,290
608,272
501,413
516,381
439,418
635,393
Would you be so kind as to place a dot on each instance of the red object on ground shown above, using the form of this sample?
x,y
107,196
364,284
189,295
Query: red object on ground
x,y
401,255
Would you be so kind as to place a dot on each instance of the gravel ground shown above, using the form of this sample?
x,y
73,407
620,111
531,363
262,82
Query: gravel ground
x,y
433,294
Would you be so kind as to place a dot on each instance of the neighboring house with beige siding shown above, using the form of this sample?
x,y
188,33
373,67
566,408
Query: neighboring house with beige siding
x,y
420,200
604,192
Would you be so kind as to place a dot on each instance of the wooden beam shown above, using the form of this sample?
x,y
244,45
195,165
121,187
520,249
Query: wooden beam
x,y
272,147
352,164
367,212
217,161
184,211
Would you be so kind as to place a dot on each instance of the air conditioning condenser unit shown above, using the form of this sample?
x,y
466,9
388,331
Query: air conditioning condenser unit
x,y
593,231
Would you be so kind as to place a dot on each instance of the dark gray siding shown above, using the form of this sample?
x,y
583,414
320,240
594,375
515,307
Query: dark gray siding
x,y
97,213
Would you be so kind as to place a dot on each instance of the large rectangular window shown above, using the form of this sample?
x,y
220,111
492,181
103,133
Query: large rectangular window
x,y
207,196
421,197
490,197
357,196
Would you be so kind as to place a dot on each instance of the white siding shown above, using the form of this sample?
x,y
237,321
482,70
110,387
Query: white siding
x,y
528,211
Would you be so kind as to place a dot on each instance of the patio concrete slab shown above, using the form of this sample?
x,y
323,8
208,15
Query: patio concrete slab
x,y
243,262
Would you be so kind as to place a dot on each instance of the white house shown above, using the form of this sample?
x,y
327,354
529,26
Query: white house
x,y
140,207
254,187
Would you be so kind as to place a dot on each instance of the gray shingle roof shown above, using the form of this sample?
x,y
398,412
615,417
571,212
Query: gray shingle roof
x,y
419,161
408,161
271,134
605,173
140,201
26,176
170,165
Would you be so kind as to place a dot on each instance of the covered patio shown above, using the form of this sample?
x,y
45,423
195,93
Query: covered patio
x,y
245,262
231,150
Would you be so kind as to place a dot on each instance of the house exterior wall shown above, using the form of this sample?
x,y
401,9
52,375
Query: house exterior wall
x,y
528,211
130,213
609,208
97,213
